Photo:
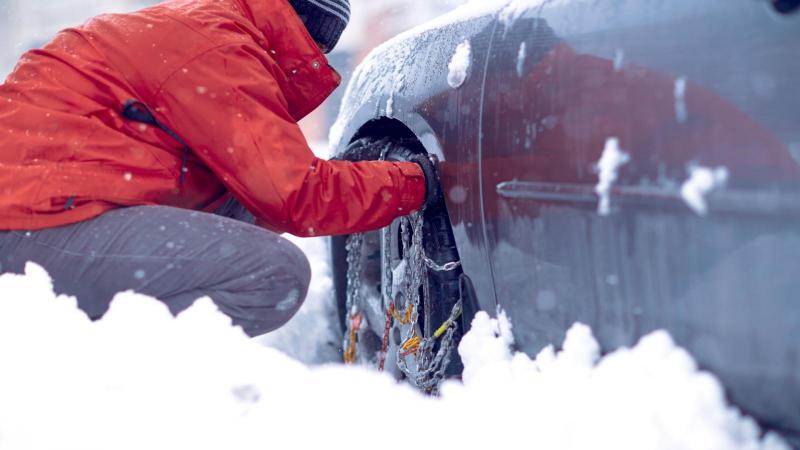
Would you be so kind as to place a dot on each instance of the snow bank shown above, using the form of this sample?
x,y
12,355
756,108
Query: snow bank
x,y
648,397
140,378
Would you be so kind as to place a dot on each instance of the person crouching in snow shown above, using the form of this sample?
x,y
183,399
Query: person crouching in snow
x,y
120,138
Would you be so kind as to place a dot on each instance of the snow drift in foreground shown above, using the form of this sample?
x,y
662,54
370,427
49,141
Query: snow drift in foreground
x,y
140,378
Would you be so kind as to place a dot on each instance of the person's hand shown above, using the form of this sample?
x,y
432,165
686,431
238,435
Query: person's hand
x,y
429,165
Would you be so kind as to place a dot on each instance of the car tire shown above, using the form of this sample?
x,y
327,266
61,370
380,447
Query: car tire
x,y
444,287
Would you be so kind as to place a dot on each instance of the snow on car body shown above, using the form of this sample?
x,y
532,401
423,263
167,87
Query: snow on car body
x,y
681,85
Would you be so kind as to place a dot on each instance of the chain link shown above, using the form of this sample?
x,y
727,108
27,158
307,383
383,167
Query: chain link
x,y
447,267
431,365
411,239
354,245
387,281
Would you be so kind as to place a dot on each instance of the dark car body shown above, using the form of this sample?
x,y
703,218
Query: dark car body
x,y
680,84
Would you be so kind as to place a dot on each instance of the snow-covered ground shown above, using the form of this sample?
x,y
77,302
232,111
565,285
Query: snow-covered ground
x,y
140,378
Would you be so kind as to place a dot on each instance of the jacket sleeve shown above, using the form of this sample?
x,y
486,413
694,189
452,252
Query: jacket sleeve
x,y
228,106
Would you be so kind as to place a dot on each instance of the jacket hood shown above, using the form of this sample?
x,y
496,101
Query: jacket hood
x,y
307,78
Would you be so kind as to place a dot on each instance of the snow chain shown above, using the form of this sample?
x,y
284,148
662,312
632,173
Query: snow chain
x,y
430,363
353,316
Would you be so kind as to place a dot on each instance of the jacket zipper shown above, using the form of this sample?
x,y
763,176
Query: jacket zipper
x,y
137,111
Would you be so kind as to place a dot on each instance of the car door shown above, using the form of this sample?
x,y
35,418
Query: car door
x,y
680,96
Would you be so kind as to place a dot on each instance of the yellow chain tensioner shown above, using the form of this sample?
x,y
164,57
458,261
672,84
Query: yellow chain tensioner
x,y
449,322
405,319
410,346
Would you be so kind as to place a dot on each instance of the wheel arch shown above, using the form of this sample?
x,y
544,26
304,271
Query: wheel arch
x,y
415,133
406,125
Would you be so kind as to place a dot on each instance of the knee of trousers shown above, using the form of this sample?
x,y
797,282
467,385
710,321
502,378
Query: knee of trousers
x,y
282,296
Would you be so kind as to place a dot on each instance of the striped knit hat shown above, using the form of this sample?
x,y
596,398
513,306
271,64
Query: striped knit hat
x,y
324,19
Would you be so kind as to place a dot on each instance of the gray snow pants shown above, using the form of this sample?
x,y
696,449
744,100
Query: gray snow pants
x,y
254,276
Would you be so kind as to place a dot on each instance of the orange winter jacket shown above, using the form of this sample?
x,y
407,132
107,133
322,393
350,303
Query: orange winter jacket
x,y
227,79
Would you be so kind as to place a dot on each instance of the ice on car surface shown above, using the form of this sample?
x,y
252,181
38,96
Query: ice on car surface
x,y
521,55
701,182
681,113
376,73
459,66
607,172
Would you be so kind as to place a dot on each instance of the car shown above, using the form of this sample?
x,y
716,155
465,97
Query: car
x,y
629,164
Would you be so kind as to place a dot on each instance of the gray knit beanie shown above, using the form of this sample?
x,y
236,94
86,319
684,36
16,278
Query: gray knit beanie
x,y
324,19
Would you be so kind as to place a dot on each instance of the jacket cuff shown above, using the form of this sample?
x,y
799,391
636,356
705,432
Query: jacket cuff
x,y
411,188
